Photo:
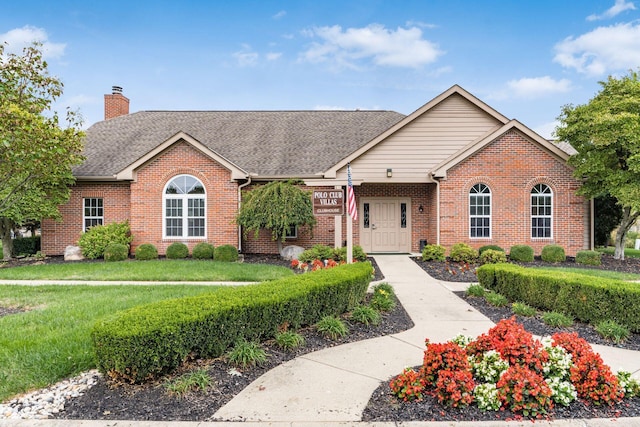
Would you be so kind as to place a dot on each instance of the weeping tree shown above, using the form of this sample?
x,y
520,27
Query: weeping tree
x,y
276,206
36,153
606,135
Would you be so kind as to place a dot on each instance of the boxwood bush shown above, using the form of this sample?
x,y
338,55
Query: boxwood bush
x,y
461,252
589,257
487,247
202,250
26,245
340,254
434,253
177,250
146,251
144,341
225,253
587,298
521,253
116,252
553,253
492,256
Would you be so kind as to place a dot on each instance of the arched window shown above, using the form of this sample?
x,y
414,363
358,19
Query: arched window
x,y
480,211
184,208
541,211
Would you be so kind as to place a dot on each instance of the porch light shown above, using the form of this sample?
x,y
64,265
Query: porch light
x,y
420,209
389,173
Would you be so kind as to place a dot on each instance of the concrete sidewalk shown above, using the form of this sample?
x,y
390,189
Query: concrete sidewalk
x,y
331,387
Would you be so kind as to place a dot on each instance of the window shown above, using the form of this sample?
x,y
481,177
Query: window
x,y
480,211
93,213
403,215
365,216
292,232
541,211
184,208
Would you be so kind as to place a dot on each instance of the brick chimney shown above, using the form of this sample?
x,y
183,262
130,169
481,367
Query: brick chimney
x,y
115,104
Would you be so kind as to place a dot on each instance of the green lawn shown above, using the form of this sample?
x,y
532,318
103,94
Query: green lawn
x,y
628,252
594,272
51,341
159,270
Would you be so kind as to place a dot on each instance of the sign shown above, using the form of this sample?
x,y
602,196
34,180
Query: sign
x,y
330,202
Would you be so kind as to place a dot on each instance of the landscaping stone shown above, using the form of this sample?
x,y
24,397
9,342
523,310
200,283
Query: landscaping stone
x,y
291,252
73,253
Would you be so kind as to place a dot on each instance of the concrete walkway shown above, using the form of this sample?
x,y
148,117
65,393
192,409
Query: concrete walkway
x,y
331,387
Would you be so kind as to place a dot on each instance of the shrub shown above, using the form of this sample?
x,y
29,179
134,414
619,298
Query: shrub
x,y
202,250
521,253
340,254
196,380
383,298
366,315
246,353
557,320
491,256
487,247
522,309
332,327
26,245
116,252
148,340
225,253
146,251
589,257
320,252
476,290
434,253
177,250
461,252
612,330
289,340
496,299
553,253
95,240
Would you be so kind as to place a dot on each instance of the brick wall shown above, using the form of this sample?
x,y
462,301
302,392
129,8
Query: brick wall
x,y
57,235
147,190
511,166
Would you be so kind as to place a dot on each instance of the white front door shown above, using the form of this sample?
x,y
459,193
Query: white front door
x,y
385,224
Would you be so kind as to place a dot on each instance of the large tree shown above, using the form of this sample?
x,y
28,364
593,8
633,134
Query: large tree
x,y
36,153
606,135
276,206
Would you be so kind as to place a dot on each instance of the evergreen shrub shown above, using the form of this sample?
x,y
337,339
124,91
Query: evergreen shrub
x,y
340,254
146,251
487,247
521,253
202,250
492,256
589,257
177,250
94,241
116,252
461,252
434,253
26,245
553,253
225,253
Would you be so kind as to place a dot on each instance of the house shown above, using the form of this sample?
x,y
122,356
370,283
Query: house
x,y
455,170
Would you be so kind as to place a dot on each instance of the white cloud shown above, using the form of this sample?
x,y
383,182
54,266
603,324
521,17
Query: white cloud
x,y
546,130
619,7
403,47
280,14
602,50
246,57
421,24
272,56
19,38
537,87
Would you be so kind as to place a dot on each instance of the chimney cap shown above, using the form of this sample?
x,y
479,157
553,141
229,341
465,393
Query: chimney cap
x,y
116,90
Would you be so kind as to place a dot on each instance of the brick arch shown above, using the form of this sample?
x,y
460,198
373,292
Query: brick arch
x,y
169,175
479,180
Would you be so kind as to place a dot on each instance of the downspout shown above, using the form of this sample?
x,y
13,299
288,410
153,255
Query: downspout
x,y
592,226
437,211
240,187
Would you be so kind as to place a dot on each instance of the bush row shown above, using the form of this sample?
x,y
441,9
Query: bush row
x,y
589,299
324,252
152,339
26,245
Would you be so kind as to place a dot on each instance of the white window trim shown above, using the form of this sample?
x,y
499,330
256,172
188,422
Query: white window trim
x,y
85,217
185,209
531,216
490,194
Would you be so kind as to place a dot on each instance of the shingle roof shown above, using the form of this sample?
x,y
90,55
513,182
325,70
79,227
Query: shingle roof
x,y
267,143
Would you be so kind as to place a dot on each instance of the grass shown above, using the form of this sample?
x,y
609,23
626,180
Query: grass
x,y
476,290
628,252
496,299
611,330
614,275
247,353
557,320
194,380
522,309
289,340
156,270
51,341
331,327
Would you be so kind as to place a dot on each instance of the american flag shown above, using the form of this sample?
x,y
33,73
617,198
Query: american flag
x,y
352,208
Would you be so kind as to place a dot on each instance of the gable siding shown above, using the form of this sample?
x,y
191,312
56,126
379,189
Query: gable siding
x,y
425,142
511,166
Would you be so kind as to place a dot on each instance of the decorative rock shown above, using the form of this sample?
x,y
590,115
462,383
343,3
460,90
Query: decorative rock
x,y
291,252
73,253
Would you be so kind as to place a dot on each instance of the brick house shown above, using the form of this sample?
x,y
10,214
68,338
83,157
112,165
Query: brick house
x,y
455,170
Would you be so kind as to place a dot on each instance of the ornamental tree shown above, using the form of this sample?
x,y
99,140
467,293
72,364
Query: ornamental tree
x,y
276,206
36,154
606,135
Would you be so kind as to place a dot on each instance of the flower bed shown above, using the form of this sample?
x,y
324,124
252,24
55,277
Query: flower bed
x,y
507,369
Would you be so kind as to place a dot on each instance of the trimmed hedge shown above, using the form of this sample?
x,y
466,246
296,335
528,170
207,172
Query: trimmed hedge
x,y
553,253
26,245
177,250
225,253
202,250
589,299
116,252
152,339
146,251
492,256
487,247
521,253
434,253
589,258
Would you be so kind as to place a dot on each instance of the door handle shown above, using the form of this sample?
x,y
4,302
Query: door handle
x,y
373,226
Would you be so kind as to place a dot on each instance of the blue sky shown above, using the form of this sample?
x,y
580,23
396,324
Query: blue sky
x,y
524,58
